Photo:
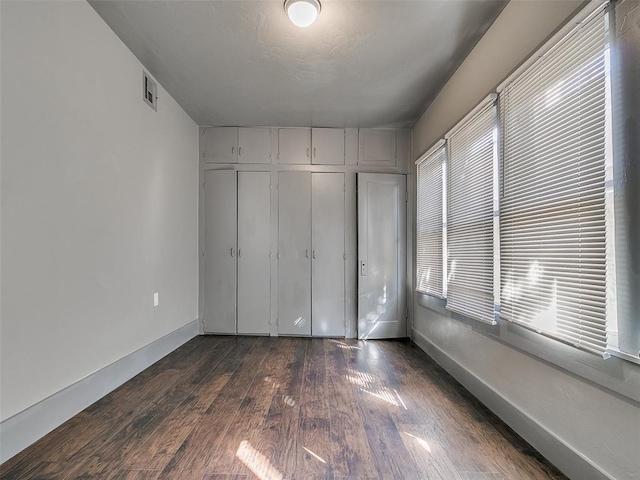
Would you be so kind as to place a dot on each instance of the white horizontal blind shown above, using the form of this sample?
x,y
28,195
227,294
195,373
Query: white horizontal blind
x,y
552,219
470,217
429,224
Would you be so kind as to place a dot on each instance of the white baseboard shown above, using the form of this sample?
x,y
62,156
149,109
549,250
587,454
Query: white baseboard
x,y
24,428
571,462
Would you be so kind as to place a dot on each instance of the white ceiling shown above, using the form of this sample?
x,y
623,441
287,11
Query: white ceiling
x,y
362,64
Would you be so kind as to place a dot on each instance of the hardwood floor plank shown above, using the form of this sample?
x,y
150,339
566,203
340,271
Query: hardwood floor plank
x,y
205,441
136,475
251,413
207,382
276,438
313,399
225,476
380,404
350,452
313,449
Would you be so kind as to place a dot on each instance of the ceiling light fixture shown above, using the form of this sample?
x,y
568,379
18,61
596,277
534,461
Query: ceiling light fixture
x,y
302,12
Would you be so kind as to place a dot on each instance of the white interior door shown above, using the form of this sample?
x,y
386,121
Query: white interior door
x,y
327,224
294,253
254,250
381,256
220,214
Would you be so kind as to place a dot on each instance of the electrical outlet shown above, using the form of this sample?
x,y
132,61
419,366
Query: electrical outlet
x,y
156,301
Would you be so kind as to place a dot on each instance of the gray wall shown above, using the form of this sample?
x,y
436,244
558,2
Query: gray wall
x,y
596,425
99,203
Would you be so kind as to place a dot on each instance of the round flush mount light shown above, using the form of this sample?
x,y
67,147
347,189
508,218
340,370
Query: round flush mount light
x,y
302,12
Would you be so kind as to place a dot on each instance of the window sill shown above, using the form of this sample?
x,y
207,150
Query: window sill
x,y
619,376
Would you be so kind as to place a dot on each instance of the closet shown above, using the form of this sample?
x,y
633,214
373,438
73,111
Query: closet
x,y
311,261
279,244
237,253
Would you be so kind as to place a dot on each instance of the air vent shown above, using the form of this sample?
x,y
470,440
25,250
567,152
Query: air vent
x,y
149,91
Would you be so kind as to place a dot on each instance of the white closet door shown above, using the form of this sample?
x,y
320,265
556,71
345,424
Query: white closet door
x,y
327,227
294,253
254,246
221,144
294,146
328,146
254,145
220,214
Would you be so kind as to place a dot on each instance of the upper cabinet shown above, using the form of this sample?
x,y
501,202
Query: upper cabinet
x,y
236,145
327,146
383,147
305,146
254,145
219,144
294,146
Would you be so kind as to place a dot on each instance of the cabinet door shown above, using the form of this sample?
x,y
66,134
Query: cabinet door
x,y
220,216
221,145
327,234
294,253
254,145
254,248
377,147
294,146
328,146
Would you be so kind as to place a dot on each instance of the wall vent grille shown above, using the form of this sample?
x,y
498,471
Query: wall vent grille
x,y
149,91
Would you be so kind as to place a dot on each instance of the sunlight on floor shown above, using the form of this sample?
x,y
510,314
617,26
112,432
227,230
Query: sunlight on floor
x,y
420,441
367,384
317,457
257,462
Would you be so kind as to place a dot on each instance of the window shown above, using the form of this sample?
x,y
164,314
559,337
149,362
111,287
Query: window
x,y
430,207
531,236
471,168
553,212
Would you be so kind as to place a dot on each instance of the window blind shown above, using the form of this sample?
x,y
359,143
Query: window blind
x,y
470,209
429,224
552,219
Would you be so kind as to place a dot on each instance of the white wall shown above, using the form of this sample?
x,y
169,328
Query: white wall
x,y
99,203
601,427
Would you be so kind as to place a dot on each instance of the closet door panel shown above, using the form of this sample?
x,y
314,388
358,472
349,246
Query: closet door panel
x,y
377,147
254,248
254,145
294,253
328,287
294,146
221,144
328,146
220,217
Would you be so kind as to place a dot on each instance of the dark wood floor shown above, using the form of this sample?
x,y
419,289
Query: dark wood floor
x,y
275,408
